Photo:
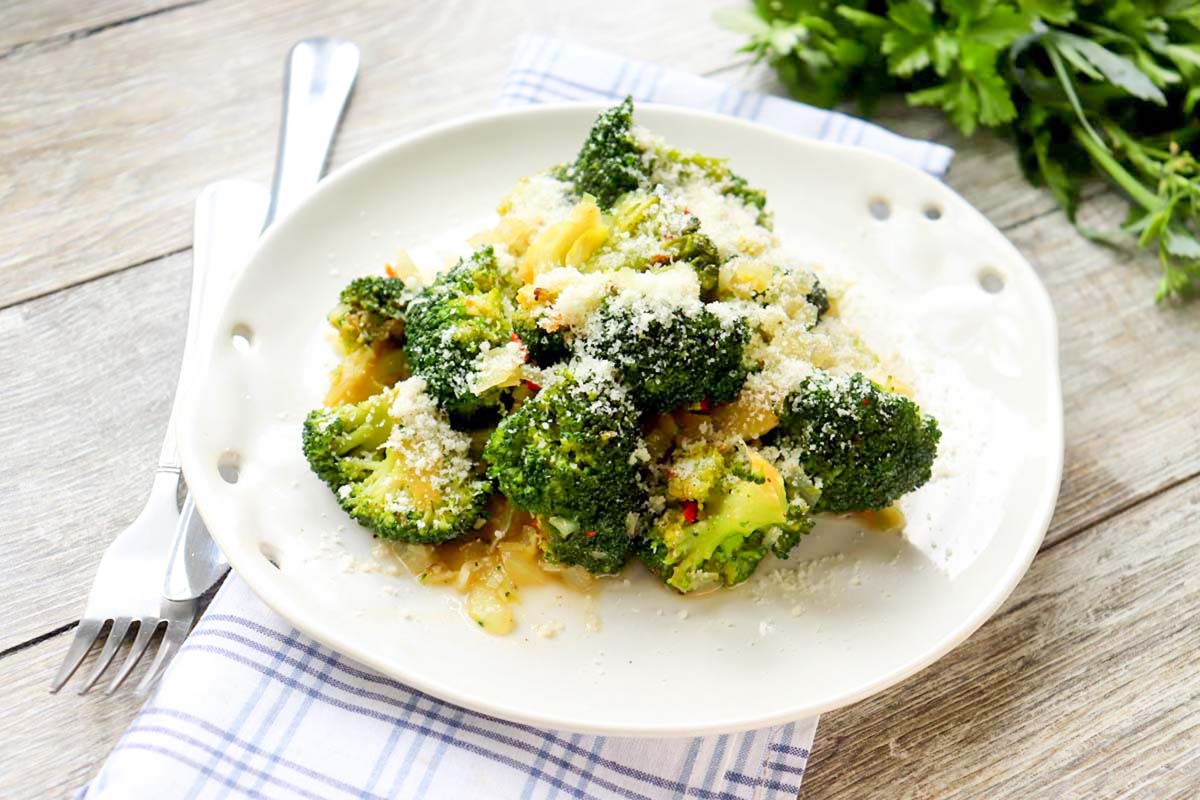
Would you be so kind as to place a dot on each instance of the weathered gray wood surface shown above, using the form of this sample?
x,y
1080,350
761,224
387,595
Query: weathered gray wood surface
x,y
115,114
1083,685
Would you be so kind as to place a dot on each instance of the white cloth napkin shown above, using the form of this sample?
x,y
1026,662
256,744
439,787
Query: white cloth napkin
x,y
252,708
546,69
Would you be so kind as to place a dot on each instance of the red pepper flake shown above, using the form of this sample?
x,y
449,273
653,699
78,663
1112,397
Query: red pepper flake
x,y
518,340
390,270
531,386
866,401
687,211
660,258
590,534
706,405
691,511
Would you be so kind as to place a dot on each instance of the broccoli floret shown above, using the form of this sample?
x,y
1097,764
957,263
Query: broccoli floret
x,y
610,162
802,496
788,288
719,536
331,433
567,454
601,548
738,187
463,314
370,309
668,364
403,487
370,319
717,171
818,297
865,446
700,253
545,348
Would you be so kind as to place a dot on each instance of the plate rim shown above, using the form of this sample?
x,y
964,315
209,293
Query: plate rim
x,y
253,571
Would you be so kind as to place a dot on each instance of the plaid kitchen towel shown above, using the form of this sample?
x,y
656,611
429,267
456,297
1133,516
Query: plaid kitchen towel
x,y
252,708
546,69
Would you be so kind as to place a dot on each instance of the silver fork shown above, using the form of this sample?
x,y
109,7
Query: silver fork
x,y
127,595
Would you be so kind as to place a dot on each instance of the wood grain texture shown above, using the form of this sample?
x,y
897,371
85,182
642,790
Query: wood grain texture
x,y
109,140
1081,685
1084,685
91,374
56,23
50,745
1128,369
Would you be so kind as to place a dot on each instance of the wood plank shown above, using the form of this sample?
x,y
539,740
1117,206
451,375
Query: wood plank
x,y
50,23
108,141
91,374
1128,369
53,744
1083,685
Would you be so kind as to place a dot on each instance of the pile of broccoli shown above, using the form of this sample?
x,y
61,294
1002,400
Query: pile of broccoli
x,y
567,444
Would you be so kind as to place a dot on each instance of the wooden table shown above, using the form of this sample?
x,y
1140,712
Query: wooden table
x,y
114,115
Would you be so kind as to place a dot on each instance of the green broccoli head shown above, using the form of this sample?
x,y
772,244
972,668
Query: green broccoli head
x,y
717,172
699,252
601,546
329,434
568,455
370,320
371,309
864,446
397,467
724,511
610,162
818,297
669,360
738,187
802,496
451,323
545,348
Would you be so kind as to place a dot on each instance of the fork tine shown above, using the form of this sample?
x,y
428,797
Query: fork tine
x,y
116,636
146,629
85,636
172,640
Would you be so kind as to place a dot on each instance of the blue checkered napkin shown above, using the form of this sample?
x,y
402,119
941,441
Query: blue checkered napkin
x,y
552,70
252,708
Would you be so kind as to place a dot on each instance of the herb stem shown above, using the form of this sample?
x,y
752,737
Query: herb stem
x,y
1132,186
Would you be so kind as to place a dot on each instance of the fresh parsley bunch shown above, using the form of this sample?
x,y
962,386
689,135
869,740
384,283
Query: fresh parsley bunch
x,y
1086,87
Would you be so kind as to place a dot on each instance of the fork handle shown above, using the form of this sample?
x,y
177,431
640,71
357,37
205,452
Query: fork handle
x,y
319,78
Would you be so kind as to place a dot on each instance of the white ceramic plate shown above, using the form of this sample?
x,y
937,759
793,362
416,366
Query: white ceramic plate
x,y
851,613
